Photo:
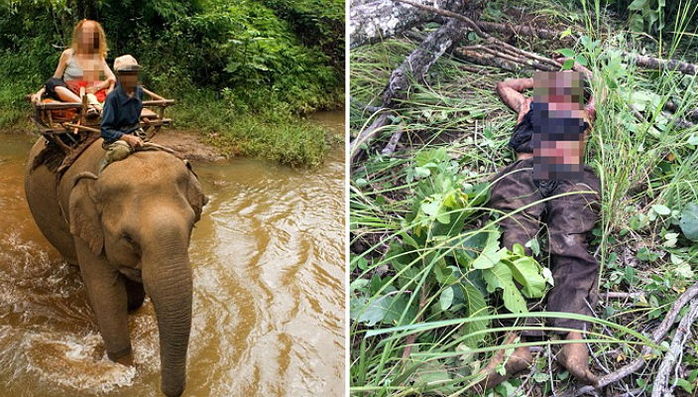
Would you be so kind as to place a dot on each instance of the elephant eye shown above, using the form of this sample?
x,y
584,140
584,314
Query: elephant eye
x,y
129,239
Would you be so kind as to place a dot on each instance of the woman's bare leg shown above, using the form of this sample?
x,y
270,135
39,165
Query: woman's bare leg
x,y
67,95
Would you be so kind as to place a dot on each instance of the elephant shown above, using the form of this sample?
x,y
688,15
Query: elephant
x,y
127,226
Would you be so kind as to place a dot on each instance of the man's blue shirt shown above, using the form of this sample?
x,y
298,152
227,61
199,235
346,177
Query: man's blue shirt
x,y
121,113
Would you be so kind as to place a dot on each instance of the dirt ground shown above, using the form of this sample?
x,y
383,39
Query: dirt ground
x,y
188,144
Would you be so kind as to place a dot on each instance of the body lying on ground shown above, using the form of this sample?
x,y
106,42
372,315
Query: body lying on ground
x,y
549,141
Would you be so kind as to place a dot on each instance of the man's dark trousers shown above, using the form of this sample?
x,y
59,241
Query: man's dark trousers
x,y
569,218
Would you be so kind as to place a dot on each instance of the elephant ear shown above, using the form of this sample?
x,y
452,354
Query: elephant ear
x,y
84,216
195,195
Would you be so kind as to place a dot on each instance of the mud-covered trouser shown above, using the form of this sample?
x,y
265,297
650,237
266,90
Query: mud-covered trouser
x,y
569,219
119,150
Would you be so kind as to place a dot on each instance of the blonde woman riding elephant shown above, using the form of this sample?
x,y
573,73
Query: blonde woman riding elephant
x,y
128,229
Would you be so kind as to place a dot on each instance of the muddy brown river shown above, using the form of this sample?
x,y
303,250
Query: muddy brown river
x,y
268,314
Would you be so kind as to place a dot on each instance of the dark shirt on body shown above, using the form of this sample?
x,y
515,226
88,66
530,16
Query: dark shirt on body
x,y
121,113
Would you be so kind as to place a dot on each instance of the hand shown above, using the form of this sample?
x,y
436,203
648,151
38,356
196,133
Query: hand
x,y
92,89
34,99
132,140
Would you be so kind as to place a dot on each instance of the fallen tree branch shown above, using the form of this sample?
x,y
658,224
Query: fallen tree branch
x,y
413,68
657,336
474,54
660,388
643,61
485,59
376,20
392,144
486,36
523,31
662,64
623,295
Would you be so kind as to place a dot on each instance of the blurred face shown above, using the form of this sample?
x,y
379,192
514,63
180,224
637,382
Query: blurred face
x,y
89,37
558,146
562,91
128,80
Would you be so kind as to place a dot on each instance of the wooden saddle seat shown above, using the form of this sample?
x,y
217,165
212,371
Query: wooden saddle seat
x,y
67,126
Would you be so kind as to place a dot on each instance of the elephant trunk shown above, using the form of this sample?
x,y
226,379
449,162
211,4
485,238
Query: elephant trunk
x,y
168,281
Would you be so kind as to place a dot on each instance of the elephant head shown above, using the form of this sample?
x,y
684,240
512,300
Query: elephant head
x,y
137,216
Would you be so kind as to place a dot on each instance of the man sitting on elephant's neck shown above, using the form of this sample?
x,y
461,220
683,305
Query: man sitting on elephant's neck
x,y
120,126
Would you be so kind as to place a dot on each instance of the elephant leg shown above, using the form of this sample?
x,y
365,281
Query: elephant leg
x,y
107,294
135,293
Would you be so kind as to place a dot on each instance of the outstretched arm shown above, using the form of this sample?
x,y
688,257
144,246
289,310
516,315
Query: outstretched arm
x,y
510,91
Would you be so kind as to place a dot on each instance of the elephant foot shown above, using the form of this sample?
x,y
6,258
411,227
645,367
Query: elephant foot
x,y
575,357
126,360
519,360
124,357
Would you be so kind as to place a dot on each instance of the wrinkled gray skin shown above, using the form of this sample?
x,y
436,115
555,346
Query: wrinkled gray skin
x,y
129,232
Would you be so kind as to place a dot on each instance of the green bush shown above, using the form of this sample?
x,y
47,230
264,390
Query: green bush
x,y
267,60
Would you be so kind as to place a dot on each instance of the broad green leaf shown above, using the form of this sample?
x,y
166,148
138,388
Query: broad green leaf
x,y
475,302
359,283
369,313
684,384
684,270
491,254
431,372
689,221
445,275
693,140
471,246
421,172
661,209
500,277
446,298
526,271
581,59
566,52
397,307
431,156
534,246
638,5
568,64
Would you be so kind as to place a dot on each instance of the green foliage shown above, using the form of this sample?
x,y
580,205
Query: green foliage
x,y
652,16
437,252
403,207
259,63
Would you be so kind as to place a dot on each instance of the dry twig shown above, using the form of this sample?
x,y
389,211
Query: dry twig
x,y
657,336
660,388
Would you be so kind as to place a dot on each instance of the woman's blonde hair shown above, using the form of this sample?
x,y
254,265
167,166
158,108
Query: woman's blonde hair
x,y
77,32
